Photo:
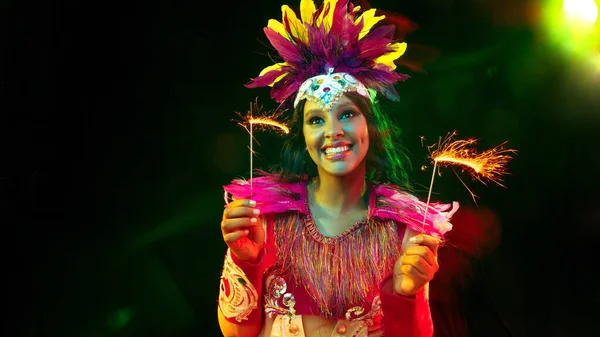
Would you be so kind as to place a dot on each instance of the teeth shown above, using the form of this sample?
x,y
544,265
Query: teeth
x,y
335,150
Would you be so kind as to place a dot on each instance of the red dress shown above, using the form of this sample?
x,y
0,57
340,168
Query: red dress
x,y
345,277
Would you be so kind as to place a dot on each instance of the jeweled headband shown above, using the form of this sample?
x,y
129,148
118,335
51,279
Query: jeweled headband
x,y
326,89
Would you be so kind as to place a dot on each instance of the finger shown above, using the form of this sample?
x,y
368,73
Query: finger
x,y
419,263
426,240
230,225
240,203
413,273
422,251
240,212
234,236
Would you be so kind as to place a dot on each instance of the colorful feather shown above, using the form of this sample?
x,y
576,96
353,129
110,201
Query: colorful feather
x,y
334,35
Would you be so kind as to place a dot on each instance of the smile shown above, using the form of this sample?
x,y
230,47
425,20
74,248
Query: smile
x,y
337,152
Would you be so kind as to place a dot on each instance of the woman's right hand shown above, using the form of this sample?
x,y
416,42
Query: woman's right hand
x,y
242,230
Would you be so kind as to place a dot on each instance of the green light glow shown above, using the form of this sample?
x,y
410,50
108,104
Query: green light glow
x,y
571,26
120,318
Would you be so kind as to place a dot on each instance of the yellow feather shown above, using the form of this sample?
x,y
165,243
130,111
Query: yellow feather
x,y
369,21
356,9
389,58
296,26
278,79
279,28
328,20
307,9
321,15
276,66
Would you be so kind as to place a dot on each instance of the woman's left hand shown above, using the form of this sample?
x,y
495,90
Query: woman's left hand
x,y
417,266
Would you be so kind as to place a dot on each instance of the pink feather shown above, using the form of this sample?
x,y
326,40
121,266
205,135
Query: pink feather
x,y
386,202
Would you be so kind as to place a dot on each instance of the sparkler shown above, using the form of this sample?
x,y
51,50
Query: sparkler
x,y
257,116
489,165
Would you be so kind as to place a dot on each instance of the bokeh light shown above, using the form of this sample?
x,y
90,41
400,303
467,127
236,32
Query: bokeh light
x,y
572,24
584,11
573,30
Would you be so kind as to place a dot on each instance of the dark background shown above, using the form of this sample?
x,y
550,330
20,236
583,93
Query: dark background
x,y
117,136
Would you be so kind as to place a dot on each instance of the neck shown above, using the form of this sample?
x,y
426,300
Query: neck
x,y
341,193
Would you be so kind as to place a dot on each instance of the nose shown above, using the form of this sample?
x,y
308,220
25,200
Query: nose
x,y
334,129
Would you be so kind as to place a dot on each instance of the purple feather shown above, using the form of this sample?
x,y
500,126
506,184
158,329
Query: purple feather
x,y
338,48
339,16
285,87
382,32
373,49
286,49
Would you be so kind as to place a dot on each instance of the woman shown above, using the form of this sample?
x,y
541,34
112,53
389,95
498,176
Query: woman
x,y
333,245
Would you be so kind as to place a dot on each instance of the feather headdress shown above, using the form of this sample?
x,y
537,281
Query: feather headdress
x,y
335,36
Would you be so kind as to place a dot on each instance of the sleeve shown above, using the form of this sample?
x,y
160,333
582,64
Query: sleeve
x,y
405,316
240,293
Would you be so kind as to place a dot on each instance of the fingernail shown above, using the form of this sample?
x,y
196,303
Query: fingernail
x,y
256,211
253,220
252,203
413,239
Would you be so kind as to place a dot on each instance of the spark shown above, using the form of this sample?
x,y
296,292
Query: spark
x,y
489,165
269,122
262,119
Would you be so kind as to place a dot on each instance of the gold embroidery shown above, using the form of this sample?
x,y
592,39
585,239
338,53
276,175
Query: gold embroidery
x,y
242,298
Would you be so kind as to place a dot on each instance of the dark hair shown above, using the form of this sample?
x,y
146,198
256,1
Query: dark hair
x,y
387,161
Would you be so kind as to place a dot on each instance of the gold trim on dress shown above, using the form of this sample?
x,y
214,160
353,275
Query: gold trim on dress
x,y
242,298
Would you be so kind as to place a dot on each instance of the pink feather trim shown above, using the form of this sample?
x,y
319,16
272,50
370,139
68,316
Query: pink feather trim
x,y
387,202
271,195
406,208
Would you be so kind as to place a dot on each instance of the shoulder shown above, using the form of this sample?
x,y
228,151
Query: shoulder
x,y
392,202
271,193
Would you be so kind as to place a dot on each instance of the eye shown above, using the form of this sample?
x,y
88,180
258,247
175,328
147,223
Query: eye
x,y
315,120
347,114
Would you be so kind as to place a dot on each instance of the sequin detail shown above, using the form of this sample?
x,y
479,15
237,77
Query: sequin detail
x,y
277,301
356,313
326,89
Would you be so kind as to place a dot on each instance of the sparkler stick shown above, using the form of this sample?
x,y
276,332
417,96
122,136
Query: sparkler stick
x,y
489,165
265,122
256,116
250,124
430,185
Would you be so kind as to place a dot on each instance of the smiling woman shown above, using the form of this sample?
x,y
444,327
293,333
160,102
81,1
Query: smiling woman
x,y
332,243
385,161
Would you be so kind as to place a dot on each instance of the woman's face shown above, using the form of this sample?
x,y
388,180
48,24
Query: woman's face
x,y
337,140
